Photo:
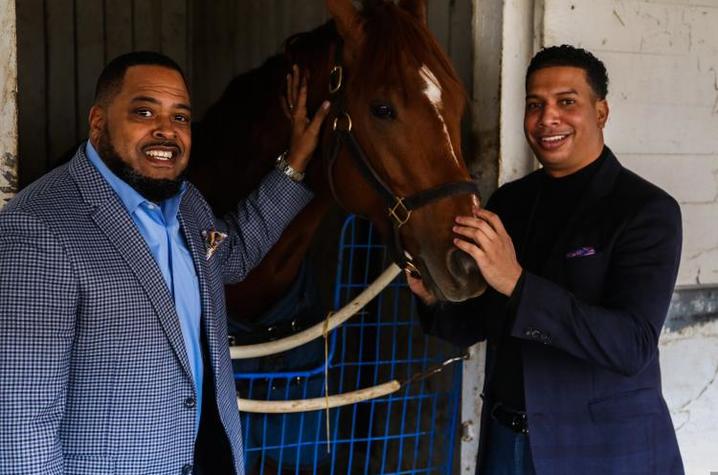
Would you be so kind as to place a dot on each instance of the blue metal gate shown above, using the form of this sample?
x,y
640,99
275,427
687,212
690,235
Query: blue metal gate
x,y
412,431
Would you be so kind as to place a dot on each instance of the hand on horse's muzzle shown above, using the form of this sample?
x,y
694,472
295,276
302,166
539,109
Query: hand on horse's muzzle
x,y
484,238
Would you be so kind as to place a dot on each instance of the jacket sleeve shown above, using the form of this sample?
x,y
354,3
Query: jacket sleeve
x,y
38,301
462,323
258,222
621,333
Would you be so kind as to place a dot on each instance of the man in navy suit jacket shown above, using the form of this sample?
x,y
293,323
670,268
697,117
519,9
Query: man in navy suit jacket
x,y
581,258
113,332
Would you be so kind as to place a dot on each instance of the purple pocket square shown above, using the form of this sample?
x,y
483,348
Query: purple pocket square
x,y
581,252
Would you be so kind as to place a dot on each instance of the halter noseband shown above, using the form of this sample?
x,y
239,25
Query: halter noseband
x,y
398,208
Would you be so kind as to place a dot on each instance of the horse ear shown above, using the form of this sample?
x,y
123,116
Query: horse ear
x,y
416,7
347,19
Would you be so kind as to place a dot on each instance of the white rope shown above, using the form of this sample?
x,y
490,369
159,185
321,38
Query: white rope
x,y
298,339
326,379
319,403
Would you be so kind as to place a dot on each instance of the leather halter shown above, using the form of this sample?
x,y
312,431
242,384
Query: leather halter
x,y
398,208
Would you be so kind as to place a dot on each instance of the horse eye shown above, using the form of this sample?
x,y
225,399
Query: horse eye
x,y
383,111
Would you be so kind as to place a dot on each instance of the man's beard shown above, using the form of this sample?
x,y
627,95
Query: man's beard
x,y
152,189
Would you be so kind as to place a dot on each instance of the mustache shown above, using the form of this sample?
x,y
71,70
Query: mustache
x,y
165,144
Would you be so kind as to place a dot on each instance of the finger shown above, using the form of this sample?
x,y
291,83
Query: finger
x,y
301,104
474,234
468,220
285,108
288,86
478,224
419,289
296,78
471,249
493,219
413,278
316,124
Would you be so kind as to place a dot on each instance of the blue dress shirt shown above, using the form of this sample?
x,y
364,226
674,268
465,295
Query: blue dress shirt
x,y
159,226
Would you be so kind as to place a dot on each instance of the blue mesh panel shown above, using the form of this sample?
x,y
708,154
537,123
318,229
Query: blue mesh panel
x,y
410,432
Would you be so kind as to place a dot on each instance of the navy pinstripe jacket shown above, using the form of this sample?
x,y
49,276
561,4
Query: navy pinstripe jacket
x,y
92,362
588,325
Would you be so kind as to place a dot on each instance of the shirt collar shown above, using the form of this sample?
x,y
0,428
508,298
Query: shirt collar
x,y
130,198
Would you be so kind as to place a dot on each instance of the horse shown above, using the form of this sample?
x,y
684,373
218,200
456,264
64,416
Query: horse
x,y
393,134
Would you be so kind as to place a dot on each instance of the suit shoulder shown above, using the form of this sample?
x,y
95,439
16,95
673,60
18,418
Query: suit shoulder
x,y
52,194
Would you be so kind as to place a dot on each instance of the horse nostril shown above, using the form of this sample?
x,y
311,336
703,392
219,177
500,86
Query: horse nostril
x,y
461,265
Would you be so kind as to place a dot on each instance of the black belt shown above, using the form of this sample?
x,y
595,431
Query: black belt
x,y
514,420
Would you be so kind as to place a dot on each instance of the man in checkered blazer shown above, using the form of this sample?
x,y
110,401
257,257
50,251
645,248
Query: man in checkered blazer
x,y
113,338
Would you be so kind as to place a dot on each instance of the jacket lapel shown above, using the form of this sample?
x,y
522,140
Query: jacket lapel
x,y
114,221
195,243
600,185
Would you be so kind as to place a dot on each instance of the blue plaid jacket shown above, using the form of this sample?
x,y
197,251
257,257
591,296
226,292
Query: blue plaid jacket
x,y
95,377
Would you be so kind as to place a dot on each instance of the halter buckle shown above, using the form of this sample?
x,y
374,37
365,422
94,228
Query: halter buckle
x,y
336,77
336,123
396,212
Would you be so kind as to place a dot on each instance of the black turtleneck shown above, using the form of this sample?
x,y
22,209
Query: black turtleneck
x,y
554,204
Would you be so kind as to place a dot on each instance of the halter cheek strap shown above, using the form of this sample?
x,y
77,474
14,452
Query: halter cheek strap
x,y
398,208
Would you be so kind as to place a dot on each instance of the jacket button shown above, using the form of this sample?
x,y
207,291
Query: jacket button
x,y
187,469
190,402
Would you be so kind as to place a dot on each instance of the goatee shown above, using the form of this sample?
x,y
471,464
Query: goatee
x,y
152,189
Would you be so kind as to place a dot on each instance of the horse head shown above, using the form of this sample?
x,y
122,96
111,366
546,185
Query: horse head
x,y
393,145
405,103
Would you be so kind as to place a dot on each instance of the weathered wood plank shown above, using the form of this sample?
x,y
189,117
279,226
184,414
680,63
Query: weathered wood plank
x,y
270,35
32,94
61,74
256,22
241,55
439,21
119,32
460,40
303,16
8,107
215,24
147,19
175,33
90,47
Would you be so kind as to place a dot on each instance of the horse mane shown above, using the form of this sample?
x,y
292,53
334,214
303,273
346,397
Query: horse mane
x,y
394,39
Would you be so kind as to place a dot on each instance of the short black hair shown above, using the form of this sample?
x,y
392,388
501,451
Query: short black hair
x,y
567,55
110,81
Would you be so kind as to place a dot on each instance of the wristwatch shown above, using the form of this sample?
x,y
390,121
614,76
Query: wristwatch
x,y
283,166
